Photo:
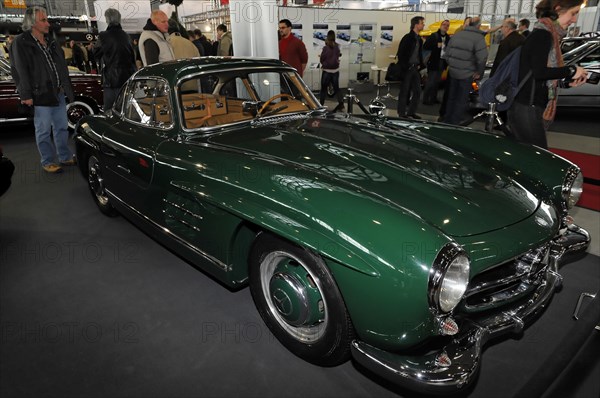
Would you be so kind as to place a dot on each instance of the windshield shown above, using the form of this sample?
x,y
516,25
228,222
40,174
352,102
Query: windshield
x,y
232,96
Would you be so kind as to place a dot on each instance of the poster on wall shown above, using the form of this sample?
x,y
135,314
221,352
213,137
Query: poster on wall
x,y
366,34
387,35
297,30
319,34
342,35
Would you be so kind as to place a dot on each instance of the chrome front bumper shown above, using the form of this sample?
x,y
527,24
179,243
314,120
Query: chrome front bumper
x,y
462,356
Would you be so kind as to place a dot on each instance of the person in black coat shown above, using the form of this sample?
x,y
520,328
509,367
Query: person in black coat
x,y
512,39
115,50
534,106
410,59
78,59
524,27
435,43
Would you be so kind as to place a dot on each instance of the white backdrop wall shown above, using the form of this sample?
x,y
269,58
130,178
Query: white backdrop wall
x,y
189,7
400,20
134,13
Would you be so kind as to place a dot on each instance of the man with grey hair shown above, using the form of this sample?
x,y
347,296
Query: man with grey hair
x,y
466,55
115,50
511,40
42,78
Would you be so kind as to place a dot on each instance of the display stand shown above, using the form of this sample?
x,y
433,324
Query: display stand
x,y
361,57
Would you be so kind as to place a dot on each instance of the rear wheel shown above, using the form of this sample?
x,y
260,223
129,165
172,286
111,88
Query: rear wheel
x,y
76,110
299,301
96,184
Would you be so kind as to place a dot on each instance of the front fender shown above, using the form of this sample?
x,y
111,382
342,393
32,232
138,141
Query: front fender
x,y
379,255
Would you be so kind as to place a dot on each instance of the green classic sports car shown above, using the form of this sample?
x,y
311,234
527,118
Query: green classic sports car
x,y
402,244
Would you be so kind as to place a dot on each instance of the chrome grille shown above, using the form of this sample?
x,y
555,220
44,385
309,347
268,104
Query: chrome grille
x,y
507,282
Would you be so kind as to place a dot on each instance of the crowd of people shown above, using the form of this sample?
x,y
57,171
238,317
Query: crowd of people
x,y
464,56
39,67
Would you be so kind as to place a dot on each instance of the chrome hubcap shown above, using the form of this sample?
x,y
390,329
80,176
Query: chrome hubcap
x,y
294,296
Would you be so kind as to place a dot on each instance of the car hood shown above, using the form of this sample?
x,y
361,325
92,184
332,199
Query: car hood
x,y
402,167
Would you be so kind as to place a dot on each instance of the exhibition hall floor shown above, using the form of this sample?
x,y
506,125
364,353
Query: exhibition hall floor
x,y
90,306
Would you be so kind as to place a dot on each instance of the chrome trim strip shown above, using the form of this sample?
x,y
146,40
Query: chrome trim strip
x,y
164,230
278,119
185,223
20,119
179,207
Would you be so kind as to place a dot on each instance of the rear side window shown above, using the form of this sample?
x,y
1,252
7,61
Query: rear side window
x,y
148,102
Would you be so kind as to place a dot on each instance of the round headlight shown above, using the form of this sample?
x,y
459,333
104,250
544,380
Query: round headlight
x,y
454,283
573,188
449,278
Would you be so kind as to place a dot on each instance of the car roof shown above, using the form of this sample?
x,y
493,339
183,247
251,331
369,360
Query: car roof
x,y
182,67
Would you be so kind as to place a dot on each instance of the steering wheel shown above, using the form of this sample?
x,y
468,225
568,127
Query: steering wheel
x,y
273,98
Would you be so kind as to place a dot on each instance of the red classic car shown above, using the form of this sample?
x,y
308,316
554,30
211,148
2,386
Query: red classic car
x,y
88,97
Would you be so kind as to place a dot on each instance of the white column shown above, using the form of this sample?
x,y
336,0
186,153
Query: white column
x,y
254,28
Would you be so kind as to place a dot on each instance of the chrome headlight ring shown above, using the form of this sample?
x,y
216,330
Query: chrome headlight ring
x,y
448,278
572,188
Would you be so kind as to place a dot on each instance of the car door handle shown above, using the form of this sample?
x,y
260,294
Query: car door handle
x,y
125,169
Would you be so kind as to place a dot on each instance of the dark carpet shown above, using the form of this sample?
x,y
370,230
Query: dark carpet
x,y
92,307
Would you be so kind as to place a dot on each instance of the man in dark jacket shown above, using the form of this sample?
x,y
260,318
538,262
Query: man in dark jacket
x,y
78,59
436,44
40,72
511,40
410,59
115,50
524,27
197,34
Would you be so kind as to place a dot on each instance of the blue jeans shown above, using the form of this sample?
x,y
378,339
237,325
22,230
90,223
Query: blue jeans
x,y
52,120
458,100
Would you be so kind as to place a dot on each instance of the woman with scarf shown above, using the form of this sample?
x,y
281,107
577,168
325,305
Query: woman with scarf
x,y
535,105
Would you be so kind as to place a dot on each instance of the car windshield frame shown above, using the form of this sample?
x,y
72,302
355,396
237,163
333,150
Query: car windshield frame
x,y
580,50
213,99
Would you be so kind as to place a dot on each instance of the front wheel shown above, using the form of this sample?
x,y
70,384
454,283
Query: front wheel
x,y
299,301
96,185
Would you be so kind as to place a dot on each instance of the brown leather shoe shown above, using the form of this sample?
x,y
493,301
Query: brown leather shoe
x,y
70,162
52,168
